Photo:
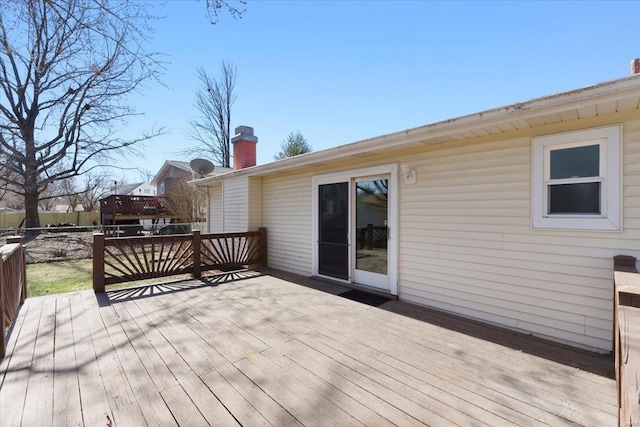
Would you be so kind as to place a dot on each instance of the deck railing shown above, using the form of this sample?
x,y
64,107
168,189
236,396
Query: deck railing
x,y
133,205
126,259
13,285
627,339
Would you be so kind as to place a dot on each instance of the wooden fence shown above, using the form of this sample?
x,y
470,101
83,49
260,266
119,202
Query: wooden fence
x,y
126,259
13,285
16,219
627,339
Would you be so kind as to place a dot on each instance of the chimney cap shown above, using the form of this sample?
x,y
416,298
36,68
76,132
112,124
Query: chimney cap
x,y
244,129
244,133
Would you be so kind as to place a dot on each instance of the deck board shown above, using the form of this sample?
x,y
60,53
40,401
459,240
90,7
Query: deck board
x,y
477,371
18,366
118,390
150,400
492,378
67,408
281,350
173,367
95,407
322,387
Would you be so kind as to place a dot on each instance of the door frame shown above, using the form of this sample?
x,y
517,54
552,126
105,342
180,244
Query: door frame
x,y
350,176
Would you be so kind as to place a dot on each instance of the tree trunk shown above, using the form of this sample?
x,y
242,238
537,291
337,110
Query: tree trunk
x,y
31,209
31,193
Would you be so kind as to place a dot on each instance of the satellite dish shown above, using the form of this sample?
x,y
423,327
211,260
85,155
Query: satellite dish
x,y
201,166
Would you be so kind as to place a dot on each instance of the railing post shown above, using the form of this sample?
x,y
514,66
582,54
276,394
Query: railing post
x,y
3,342
263,246
197,263
625,293
98,262
23,291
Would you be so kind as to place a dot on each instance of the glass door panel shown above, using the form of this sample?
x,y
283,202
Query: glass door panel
x,y
333,231
371,219
372,225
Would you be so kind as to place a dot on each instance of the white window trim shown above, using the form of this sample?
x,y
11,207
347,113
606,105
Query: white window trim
x,y
610,140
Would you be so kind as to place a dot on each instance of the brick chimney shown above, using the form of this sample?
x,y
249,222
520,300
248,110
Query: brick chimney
x,y
244,148
635,66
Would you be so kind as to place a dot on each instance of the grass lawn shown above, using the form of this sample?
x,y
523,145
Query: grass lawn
x,y
48,278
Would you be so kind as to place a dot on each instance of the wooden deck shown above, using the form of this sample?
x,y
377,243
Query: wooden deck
x,y
273,349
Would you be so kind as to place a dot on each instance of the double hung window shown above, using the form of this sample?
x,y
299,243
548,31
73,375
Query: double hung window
x,y
576,180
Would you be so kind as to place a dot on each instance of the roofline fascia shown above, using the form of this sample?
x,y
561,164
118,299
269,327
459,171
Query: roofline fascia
x,y
602,92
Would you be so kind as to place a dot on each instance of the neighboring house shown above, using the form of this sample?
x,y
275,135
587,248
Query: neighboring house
x,y
135,189
511,215
173,171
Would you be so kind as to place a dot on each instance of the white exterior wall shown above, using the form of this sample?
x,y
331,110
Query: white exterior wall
x,y
287,217
215,210
235,207
145,189
255,203
467,246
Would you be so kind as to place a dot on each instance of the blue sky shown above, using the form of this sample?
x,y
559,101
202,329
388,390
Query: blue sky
x,y
343,71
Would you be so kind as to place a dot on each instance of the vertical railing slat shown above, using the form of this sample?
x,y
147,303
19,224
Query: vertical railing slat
x,y
98,262
197,263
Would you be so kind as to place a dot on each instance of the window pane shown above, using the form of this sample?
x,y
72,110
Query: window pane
x,y
577,162
371,225
575,198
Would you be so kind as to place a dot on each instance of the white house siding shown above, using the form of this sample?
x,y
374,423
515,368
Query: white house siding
x,y
287,216
215,209
255,202
466,244
234,192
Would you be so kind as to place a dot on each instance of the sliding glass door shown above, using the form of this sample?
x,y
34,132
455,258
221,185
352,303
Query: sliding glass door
x,y
355,214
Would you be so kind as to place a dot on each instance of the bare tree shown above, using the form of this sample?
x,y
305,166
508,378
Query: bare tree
x,y
13,201
294,145
212,130
215,6
49,195
184,201
85,191
4,170
94,188
66,67
146,175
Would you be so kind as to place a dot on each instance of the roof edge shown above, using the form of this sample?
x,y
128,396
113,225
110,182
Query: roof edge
x,y
549,104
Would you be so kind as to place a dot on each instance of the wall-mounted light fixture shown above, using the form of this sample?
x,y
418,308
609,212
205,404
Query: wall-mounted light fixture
x,y
408,174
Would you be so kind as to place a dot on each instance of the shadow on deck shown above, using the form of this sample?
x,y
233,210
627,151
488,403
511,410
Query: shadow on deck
x,y
271,348
599,364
